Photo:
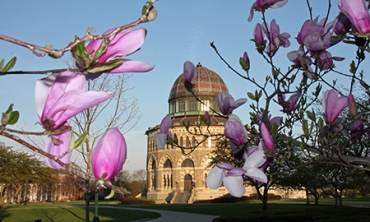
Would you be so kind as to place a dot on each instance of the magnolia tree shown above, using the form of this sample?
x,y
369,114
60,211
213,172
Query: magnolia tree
x,y
324,135
62,95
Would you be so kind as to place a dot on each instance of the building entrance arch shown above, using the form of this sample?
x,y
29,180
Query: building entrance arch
x,y
187,182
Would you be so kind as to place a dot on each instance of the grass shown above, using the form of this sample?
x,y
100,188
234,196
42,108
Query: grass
x,y
74,211
252,205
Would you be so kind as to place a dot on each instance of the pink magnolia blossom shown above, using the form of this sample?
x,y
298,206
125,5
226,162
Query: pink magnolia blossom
x,y
325,60
245,62
352,105
357,128
207,118
309,27
298,57
258,35
341,24
189,72
357,12
226,103
333,105
160,137
233,184
232,177
235,130
108,155
289,105
276,38
120,45
59,149
273,120
61,96
315,36
267,139
261,5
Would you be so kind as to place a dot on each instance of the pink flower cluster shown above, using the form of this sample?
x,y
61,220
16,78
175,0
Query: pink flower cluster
x,y
61,96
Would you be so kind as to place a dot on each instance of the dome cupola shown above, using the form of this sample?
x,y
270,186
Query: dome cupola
x,y
207,85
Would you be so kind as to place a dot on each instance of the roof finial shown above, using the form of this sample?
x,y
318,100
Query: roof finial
x,y
199,65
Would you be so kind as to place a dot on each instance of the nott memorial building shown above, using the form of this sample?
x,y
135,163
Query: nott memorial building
x,y
172,176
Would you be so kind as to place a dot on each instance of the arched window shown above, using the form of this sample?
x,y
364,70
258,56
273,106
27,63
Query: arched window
x,y
205,105
193,105
187,142
154,165
181,141
182,106
187,163
193,141
173,107
167,164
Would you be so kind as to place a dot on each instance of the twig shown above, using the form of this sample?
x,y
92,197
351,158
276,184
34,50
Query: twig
x,y
33,148
26,133
41,72
43,51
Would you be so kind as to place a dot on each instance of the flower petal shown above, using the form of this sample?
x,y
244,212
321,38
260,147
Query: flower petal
x,y
160,139
125,45
108,155
132,66
214,178
267,139
57,150
256,159
42,90
165,124
235,185
189,71
256,174
74,102
235,172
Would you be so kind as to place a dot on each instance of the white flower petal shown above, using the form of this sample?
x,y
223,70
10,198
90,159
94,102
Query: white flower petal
x,y
234,185
256,174
214,178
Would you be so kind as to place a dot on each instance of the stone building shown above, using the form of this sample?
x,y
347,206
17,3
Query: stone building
x,y
175,177
171,174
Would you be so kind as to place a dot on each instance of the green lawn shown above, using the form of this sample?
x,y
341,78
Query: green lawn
x,y
74,211
69,212
254,205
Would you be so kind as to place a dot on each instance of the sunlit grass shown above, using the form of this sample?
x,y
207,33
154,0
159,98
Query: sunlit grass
x,y
74,211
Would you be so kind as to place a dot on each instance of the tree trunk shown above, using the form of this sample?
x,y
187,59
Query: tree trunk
x,y
317,196
87,200
307,197
340,198
264,197
336,196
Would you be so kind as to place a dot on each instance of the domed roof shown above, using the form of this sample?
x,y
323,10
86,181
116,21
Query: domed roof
x,y
207,83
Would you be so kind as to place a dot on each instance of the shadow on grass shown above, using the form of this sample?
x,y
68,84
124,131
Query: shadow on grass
x,y
46,213
3,214
73,213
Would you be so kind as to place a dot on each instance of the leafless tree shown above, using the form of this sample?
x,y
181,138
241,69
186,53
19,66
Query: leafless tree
x,y
123,113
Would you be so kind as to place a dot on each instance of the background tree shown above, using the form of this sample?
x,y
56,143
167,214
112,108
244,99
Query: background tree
x,y
19,168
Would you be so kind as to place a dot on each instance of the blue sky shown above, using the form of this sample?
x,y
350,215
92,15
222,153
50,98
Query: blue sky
x,y
182,31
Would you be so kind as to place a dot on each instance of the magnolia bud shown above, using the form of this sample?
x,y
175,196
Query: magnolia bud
x,y
352,105
151,15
